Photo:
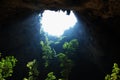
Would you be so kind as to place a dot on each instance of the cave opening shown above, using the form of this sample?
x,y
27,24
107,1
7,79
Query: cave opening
x,y
55,23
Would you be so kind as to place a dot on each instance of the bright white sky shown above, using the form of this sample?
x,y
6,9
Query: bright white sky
x,y
55,23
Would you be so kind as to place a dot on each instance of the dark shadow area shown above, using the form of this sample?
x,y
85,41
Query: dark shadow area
x,y
98,40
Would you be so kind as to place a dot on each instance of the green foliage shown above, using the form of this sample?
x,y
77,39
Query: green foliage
x,y
6,66
66,63
33,72
60,79
115,73
50,76
67,66
62,57
48,53
71,46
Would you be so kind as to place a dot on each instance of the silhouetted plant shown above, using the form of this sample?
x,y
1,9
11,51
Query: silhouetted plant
x,y
66,69
62,57
65,62
50,76
115,75
6,66
33,72
48,53
71,46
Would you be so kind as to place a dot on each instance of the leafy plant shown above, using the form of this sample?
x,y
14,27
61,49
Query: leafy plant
x,y
48,53
51,76
33,72
62,57
115,73
6,66
70,46
67,66
65,62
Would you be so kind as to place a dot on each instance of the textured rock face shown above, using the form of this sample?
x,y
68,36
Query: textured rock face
x,y
101,8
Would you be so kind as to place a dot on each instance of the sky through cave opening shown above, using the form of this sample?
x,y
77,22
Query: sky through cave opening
x,y
56,22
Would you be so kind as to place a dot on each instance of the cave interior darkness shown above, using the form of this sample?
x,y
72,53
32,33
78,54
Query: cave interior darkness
x,y
99,43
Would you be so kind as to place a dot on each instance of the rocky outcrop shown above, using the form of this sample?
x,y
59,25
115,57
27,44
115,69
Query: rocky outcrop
x,y
104,9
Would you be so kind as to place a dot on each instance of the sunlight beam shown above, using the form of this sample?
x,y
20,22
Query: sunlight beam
x,y
55,23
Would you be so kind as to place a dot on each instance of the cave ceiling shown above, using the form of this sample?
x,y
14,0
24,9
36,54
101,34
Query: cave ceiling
x,y
106,32
101,8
